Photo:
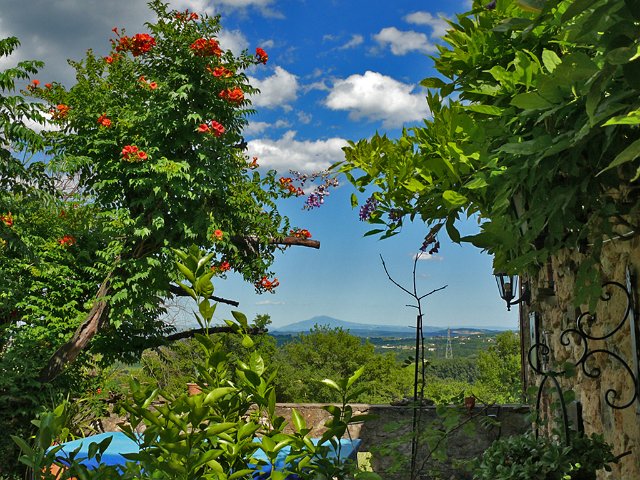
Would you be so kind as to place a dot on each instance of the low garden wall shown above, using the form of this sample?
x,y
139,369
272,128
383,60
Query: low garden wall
x,y
387,436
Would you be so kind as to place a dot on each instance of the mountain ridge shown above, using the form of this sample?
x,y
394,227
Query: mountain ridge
x,y
373,330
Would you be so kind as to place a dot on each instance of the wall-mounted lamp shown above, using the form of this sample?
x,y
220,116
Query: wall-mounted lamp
x,y
508,285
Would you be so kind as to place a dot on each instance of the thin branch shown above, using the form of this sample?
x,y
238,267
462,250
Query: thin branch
x,y
179,292
392,280
432,292
219,329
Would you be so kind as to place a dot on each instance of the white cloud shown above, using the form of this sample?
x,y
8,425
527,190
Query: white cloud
x,y
377,97
278,90
427,257
438,23
233,40
269,302
288,153
255,128
402,42
264,6
198,6
353,42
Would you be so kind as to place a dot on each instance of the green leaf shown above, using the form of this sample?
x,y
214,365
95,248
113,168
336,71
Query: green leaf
x,y
298,420
631,118
433,82
332,384
219,428
247,342
354,200
188,274
241,318
530,101
485,109
454,199
550,60
535,6
356,375
627,155
216,394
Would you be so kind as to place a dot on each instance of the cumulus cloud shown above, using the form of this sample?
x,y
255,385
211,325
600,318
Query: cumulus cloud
x,y
269,302
278,90
402,42
377,97
264,6
427,257
289,153
353,42
233,40
438,24
256,128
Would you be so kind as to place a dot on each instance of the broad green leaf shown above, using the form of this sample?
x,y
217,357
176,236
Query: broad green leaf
x,y
631,118
247,342
627,155
356,375
535,6
298,420
550,60
433,82
454,199
530,101
218,428
241,318
332,384
217,393
485,109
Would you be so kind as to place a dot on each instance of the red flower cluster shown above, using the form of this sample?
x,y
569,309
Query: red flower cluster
x,y
267,284
48,85
217,235
67,241
254,163
131,153
261,55
138,44
216,128
287,184
111,58
187,16
232,95
220,71
7,219
33,85
104,121
61,111
206,48
146,83
300,233
223,267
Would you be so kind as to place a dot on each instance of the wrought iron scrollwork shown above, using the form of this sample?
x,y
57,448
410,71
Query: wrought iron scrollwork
x,y
583,334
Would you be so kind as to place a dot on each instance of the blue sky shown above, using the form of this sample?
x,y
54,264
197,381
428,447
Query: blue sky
x,y
337,71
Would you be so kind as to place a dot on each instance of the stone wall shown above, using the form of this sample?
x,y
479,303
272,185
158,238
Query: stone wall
x,y
386,436
553,304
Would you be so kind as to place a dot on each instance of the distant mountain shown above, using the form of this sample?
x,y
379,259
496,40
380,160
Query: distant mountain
x,y
372,330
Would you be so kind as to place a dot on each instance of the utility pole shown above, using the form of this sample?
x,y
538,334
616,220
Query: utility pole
x,y
448,353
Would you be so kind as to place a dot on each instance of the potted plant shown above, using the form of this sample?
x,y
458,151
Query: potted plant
x,y
539,458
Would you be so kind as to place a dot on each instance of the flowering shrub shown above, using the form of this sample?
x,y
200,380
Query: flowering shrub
x,y
139,44
300,233
131,153
232,95
206,47
67,241
131,133
7,219
104,121
261,55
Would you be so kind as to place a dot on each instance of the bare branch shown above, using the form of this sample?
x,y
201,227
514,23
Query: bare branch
x,y
179,292
392,280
